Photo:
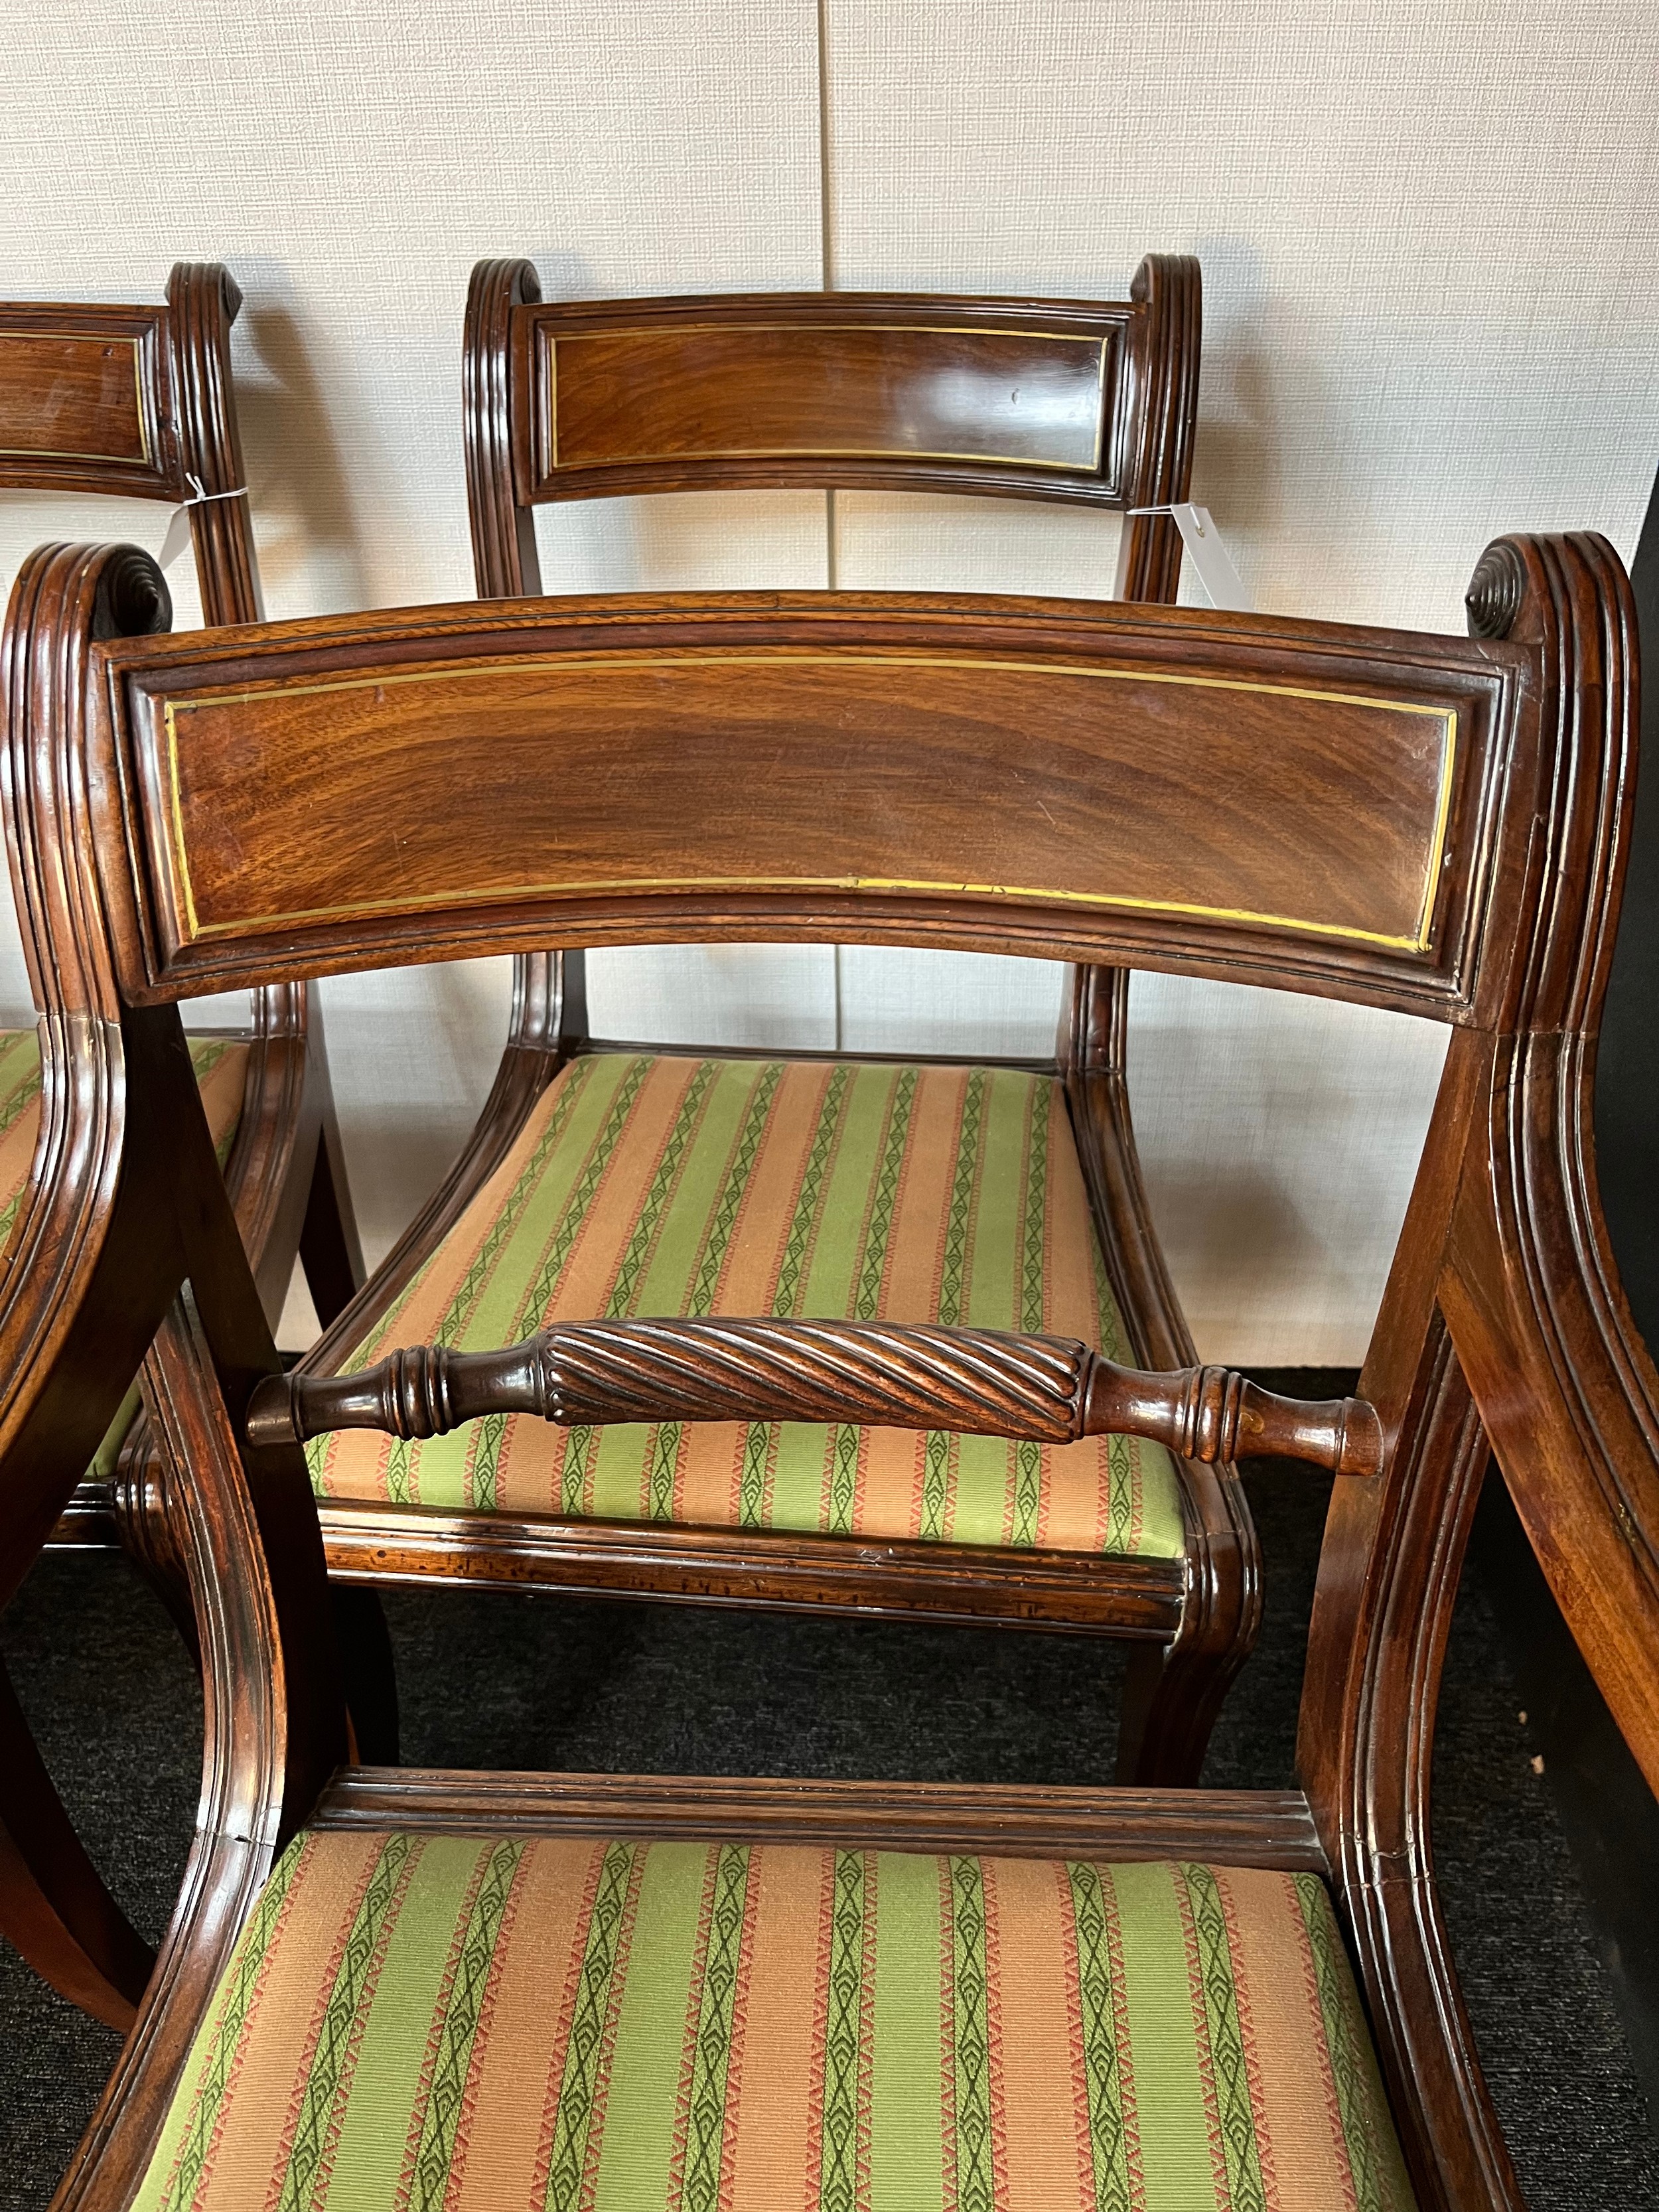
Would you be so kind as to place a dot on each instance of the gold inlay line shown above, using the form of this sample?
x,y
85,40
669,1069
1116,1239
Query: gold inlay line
x,y
554,339
804,328
630,660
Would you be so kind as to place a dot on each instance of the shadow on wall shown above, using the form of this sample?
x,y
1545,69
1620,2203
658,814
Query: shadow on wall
x,y
412,1052
310,551
1279,1138
1238,1243
1261,388
587,545
1237,468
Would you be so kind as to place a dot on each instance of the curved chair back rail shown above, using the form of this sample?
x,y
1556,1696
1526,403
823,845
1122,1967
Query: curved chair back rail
x,y
974,1381
1414,821
1280,801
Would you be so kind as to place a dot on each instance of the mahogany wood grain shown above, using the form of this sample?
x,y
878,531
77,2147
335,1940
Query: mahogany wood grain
x,y
778,387
571,738
1502,1328
979,1585
606,750
86,401
1235,1827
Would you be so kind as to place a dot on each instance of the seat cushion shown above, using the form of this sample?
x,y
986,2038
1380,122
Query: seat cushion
x,y
515,2024
221,1066
652,1185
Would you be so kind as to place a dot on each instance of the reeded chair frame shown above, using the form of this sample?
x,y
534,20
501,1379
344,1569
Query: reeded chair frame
x,y
1058,400
1410,821
139,401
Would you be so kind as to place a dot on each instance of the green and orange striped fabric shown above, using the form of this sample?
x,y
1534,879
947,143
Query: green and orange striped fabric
x,y
465,2024
221,1065
649,1185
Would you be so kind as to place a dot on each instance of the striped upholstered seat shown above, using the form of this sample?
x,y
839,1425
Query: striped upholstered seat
x,y
652,1185
525,2024
221,1066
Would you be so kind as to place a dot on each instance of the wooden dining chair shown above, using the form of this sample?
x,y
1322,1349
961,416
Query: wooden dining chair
x,y
139,402
838,1184
392,1986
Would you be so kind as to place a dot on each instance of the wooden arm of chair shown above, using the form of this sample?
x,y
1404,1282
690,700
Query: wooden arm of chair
x,y
973,1381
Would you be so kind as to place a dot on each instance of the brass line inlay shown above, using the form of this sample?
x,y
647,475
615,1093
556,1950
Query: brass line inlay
x,y
628,661
831,453
146,458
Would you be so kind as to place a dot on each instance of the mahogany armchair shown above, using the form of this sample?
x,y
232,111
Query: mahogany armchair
x,y
625,1179
138,401
510,1990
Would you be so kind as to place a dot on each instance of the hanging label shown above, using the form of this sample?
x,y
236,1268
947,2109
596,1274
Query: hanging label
x,y
1222,582
177,535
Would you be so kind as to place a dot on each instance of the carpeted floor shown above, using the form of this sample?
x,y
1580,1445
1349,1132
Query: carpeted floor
x,y
531,1680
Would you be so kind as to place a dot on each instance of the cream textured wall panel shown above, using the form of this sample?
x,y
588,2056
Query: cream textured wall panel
x,y
1278,1137
350,164
948,1002
1428,238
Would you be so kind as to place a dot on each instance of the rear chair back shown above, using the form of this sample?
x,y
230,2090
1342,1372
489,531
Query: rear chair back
x,y
137,402
1052,400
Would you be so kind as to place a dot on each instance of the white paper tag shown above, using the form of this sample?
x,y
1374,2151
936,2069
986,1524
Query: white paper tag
x,y
1210,558
177,535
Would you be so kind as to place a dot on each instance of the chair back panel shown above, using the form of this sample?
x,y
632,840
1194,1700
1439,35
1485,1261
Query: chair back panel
x,y
84,401
137,402
1044,777
948,394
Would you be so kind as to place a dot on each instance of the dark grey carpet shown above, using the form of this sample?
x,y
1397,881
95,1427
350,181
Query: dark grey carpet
x,y
533,1681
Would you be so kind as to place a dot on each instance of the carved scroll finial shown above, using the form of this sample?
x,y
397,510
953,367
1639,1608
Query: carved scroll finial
x,y
1496,590
133,599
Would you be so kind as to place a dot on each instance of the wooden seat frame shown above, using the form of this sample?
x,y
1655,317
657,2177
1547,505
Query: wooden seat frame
x,y
139,401
838,391
1449,816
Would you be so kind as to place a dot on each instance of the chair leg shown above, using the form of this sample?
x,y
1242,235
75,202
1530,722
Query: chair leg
x,y
1170,1700
371,1673
142,1502
143,1513
329,1250
54,1908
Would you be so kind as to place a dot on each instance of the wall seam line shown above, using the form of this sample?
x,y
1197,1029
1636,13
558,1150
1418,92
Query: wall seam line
x,y
827,268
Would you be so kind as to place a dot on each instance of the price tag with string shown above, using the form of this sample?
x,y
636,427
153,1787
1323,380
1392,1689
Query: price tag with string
x,y
1222,582
177,535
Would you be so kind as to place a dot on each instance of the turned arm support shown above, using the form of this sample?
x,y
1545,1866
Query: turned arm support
x,y
973,1381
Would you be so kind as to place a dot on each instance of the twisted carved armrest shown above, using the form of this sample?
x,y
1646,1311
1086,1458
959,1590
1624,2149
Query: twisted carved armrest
x,y
972,1380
